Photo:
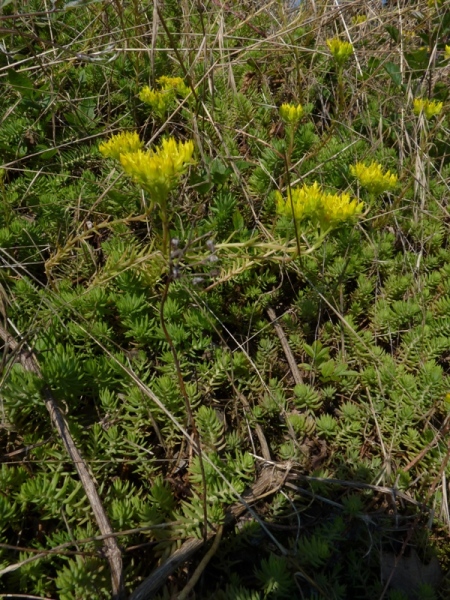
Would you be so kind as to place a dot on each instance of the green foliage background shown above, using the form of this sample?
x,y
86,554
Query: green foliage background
x,y
362,438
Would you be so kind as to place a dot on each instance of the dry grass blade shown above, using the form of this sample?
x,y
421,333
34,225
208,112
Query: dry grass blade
x,y
286,348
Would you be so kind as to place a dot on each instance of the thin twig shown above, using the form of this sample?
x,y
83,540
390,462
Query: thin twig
x,y
189,414
25,596
265,450
285,345
202,565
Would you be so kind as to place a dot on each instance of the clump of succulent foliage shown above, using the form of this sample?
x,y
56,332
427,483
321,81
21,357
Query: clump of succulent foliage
x,y
225,300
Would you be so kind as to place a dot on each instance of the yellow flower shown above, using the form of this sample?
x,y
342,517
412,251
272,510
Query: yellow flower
x,y
120,143
359,19
429,108
161,100
337,208
158,171
447,52
321,208
300,203
157,99
372,177
173,83
290,113
340,51
178,153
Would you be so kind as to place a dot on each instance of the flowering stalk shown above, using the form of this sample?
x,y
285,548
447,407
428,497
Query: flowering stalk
x,y
291,114
340,51
274,251
260,252
156,171
324,212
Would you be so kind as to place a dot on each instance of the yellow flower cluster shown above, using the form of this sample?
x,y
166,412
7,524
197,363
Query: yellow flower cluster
x,y
120,143
321,208
337,208
359,19
173,83
300,203
430,108
161,100
372,178
291,113
340,51
157,99
157,171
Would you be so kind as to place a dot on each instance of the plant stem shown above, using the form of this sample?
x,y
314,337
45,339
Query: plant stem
x,y
189,414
